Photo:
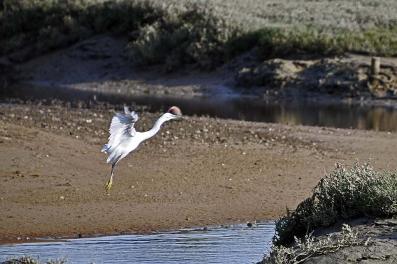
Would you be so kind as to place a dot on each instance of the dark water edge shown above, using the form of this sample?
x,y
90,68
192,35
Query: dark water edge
x,y
326,113
212,245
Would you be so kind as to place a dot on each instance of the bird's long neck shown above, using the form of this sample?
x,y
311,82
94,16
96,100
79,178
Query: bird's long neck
x,y
156,127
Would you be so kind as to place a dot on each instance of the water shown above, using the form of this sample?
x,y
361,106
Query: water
x,y
232,244
297,112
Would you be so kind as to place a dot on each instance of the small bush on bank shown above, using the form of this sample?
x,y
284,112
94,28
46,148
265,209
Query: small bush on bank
x,y
343,194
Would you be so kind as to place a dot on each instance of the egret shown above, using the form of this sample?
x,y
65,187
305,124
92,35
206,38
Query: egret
x,y
124,138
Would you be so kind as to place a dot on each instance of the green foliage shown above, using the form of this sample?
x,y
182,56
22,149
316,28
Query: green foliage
x,y
343,194
179,32
281,42
51,24
192,36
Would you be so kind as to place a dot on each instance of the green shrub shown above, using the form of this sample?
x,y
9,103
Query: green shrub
x,y
192,36
51,24
343,194
176,33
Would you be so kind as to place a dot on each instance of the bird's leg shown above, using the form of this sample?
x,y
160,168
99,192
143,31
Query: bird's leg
x,y
110,181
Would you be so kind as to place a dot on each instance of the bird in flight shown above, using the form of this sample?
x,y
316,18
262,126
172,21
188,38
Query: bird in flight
x,y
124,138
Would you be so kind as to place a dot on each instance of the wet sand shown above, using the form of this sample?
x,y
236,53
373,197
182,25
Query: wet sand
x,y
196,172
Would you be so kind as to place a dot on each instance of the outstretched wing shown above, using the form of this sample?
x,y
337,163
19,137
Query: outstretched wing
x,y
121,127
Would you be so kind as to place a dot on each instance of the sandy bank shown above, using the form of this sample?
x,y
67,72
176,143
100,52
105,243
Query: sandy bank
x,y
197,172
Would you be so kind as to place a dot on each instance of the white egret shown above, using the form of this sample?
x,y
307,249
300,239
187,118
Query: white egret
x,y
124,138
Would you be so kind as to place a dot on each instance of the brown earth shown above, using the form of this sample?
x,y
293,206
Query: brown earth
x,y
196,172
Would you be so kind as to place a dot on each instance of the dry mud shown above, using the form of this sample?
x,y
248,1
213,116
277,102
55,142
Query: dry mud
x,y
195,172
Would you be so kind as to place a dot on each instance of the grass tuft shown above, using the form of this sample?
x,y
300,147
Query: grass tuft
x,y
341,195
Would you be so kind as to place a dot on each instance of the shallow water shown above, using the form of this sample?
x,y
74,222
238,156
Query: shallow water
x,y
231,244
292,112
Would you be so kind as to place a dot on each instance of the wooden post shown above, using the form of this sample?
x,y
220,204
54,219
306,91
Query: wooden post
x,y
375,66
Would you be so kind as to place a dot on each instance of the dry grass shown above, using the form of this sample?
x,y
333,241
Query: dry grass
x,y
343,194
310,246
327,14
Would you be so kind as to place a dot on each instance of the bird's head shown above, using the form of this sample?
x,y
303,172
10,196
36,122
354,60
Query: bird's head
x,y
173,113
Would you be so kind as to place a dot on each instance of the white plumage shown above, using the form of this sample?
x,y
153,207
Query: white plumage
x,y
124,138
121,132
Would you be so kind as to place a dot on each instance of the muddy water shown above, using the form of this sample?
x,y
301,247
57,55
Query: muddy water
x,y
231,244
293,112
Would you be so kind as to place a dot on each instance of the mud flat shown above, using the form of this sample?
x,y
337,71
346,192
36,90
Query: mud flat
x,y
196,172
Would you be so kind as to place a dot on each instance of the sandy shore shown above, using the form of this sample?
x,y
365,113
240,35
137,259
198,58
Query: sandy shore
x,y
196,172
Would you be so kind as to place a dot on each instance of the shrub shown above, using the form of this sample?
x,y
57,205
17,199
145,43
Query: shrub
x,y
52,24
192,36
343,194
182,32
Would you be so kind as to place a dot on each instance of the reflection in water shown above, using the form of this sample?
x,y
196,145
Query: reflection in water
x,y
340,115
234,244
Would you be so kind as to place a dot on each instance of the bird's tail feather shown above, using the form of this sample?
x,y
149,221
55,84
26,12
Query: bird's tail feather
x,y
114,155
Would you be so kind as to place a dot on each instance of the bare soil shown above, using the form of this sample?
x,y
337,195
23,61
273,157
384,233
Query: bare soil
x,y
101,64
196,172
381,246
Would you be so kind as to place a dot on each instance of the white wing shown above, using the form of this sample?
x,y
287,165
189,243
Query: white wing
x,y
121,127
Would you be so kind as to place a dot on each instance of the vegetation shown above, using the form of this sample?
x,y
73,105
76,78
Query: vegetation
x,y
275,42
309,246
176,32
329,15
341,195
39,26
192,36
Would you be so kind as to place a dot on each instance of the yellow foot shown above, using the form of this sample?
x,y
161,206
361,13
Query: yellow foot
x,y
108,185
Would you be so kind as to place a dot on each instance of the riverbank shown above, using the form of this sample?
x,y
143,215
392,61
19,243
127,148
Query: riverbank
x,y
362,240
128,46
350,217
197,172
99,66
